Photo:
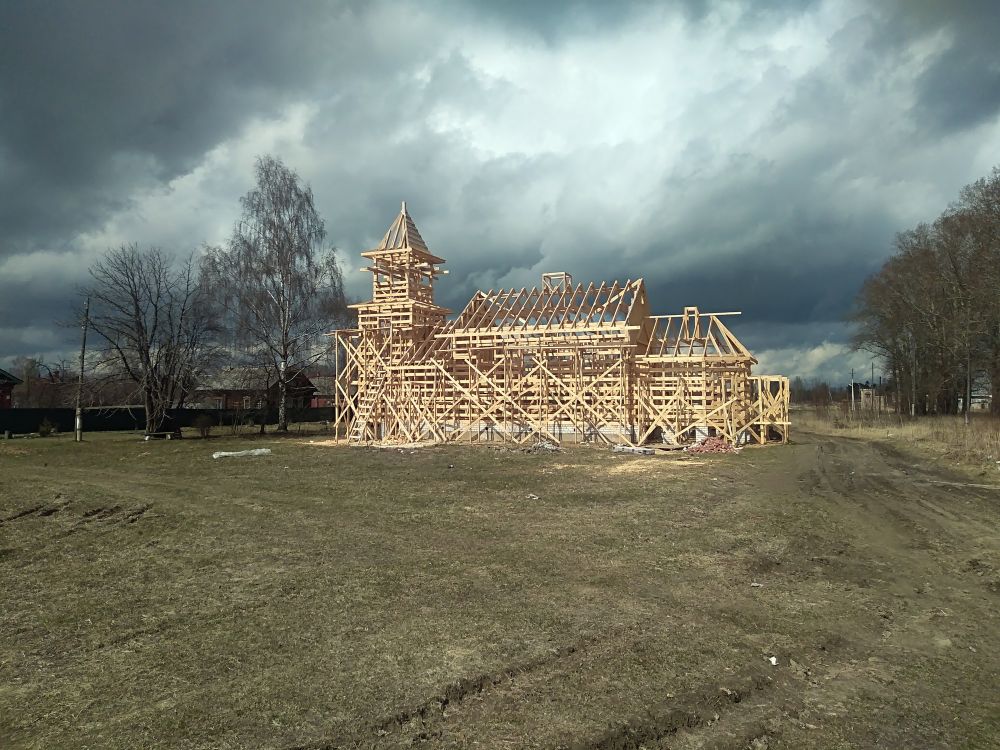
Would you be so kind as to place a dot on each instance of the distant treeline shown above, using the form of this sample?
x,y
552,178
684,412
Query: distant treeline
x,y
813,392
25,421
932,313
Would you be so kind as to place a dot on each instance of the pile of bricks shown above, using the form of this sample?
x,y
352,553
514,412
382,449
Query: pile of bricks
x,y
713,445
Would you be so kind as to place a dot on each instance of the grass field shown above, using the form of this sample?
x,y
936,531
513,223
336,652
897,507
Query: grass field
x,y
946,439
334,597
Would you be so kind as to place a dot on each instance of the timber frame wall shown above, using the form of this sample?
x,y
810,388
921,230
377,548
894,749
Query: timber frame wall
x,y
562,362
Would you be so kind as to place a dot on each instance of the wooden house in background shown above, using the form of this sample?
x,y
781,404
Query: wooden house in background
x,y
7,383
246,389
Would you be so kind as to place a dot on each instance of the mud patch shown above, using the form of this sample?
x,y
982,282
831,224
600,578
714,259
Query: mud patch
x,y
984,571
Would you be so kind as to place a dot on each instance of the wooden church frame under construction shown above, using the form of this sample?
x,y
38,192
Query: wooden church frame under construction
x,y
556,363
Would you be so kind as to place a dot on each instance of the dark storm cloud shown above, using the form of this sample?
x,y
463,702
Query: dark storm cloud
x,y
553,20
99,99
961,86
773,186
961,90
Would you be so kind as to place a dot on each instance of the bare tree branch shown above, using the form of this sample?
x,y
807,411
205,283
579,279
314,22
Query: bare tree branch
x,y
279,286
154,325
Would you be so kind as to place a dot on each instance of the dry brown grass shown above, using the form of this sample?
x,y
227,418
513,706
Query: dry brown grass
x,y
454,597
974,445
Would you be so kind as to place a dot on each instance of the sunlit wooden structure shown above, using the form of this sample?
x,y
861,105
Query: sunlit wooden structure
x,y
560,362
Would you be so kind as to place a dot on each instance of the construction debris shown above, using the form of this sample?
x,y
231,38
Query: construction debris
x,y
632,449
541,446
714,444
236,454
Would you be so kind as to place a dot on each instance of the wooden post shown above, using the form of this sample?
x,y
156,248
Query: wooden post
x,y
78,420
336,388
852,391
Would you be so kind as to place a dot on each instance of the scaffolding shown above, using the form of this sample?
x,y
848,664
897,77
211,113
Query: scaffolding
x,y
560,362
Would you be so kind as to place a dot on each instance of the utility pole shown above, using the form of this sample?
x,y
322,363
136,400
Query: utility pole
x,y
78,422
852,390
873,405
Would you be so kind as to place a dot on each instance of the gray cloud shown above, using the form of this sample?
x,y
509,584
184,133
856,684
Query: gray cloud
x,y
960,90
960,87
555,20
103,99
757,158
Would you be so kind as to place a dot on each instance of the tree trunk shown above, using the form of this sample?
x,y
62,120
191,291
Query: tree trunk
x,y
897,379
152,420
282,398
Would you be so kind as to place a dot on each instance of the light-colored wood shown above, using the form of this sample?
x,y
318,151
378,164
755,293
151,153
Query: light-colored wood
x,y
562,362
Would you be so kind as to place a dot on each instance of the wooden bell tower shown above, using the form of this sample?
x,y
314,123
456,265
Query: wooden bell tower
x,y
403,272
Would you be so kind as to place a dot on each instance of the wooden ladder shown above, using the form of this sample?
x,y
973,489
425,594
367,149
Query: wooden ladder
x,y
365,408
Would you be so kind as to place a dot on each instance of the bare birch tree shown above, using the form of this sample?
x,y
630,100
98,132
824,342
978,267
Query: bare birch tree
x,y
279,284
153,328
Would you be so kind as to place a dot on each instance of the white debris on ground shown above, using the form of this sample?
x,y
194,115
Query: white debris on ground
x,y
235,454
640,451
542,445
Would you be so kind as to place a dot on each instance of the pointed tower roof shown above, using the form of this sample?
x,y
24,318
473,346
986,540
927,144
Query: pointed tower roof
x,y
403,234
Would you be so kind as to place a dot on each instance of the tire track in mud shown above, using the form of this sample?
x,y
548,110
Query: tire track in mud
x,y
112,514
927,509
429,716
697,709
845,473
693,710
700,709
42,510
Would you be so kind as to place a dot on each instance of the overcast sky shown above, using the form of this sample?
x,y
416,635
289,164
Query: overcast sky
x,y
748,155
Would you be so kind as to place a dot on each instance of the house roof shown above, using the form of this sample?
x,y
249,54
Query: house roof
x,y
325,384
694,335
6,377
554,308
